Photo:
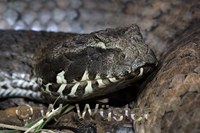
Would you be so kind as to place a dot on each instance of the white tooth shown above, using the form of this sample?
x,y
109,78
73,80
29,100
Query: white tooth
x,y
88,88
61,88
85,76
73,90
60,78
141,72
113,80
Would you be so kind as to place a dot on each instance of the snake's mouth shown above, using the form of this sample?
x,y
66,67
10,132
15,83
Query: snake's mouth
x,y
86,87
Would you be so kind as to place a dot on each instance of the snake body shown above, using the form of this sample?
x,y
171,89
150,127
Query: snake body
x,y
171,98
73,67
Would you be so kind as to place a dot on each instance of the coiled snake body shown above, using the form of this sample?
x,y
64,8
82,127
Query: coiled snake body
x,y
172,97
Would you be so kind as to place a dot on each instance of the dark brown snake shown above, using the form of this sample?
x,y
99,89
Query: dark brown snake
x,y
172,97
73,67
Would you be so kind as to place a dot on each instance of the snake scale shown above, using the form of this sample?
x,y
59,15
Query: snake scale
x,y
73,67
172,97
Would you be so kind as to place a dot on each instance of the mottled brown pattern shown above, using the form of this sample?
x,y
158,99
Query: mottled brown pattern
x,y
160,22
173,96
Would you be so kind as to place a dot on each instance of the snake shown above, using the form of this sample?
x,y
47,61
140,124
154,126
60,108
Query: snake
x,y
73,67
172,97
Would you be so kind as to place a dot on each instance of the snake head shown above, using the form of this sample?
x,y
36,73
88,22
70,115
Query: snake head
x,y
95,64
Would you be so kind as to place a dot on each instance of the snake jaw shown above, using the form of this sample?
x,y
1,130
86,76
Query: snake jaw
x,y
89,86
